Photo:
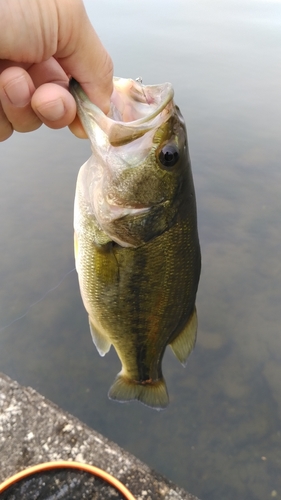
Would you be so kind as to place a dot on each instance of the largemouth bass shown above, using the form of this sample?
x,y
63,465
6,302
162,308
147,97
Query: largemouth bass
x,y
136,243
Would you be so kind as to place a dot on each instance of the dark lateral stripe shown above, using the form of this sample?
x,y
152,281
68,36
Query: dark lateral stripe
x,y
138,282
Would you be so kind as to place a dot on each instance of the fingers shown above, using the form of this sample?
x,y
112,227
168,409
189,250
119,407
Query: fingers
x,y
54,105
16,89
24,108
51,101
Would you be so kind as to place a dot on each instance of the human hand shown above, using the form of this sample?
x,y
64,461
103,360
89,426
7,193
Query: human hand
x,y
42,43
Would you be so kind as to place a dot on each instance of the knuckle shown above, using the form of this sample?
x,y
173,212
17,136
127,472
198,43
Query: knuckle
x,y
6,130
29,126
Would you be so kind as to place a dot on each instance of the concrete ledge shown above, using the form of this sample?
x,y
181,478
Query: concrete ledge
x,y
34,430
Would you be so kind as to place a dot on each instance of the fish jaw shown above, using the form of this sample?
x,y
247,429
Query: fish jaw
x,y
135,109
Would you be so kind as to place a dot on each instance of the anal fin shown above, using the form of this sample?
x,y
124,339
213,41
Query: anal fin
x,y
101,342
183,344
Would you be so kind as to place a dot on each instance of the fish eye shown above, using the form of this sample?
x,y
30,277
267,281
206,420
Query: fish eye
x,y
169,155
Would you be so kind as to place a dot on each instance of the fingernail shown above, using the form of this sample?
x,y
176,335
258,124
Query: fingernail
x,y
53,110
18,92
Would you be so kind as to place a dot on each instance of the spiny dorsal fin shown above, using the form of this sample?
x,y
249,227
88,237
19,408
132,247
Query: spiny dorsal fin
x,y
183,344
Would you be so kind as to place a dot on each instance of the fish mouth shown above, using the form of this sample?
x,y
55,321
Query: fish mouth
x,y
135,109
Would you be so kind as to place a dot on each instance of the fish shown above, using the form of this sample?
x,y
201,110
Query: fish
x,y
137,250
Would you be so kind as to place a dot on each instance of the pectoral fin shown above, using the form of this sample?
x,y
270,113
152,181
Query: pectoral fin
x,y
101,342
183,344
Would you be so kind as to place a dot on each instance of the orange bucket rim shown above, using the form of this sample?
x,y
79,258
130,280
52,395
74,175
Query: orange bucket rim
x,y
62,464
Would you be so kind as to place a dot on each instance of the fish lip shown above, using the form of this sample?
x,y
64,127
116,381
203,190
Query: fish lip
x,y
119,132
112,211
126,206
119,212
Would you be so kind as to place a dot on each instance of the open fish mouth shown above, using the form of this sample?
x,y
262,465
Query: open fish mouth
x,y
135,109
124,145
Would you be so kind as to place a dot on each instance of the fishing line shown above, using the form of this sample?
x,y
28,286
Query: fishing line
x,y
139,80
37,301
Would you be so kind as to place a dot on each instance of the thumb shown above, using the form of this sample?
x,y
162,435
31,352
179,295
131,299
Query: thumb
x,y
82,55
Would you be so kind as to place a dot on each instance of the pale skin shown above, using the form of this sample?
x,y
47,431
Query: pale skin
x,y
42,44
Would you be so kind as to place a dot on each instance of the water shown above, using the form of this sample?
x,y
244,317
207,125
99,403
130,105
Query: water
x,y
221,435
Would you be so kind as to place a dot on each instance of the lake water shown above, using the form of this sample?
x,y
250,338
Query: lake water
x,y
220,438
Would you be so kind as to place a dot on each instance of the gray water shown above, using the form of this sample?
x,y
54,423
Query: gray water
x,y
220,438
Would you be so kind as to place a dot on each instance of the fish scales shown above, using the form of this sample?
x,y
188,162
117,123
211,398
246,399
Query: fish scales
x,y
136,242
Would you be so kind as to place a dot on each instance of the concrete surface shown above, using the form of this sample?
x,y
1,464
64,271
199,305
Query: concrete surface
x,y
34,430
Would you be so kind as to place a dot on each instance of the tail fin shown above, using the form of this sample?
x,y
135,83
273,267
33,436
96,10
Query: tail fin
x,y
153,394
